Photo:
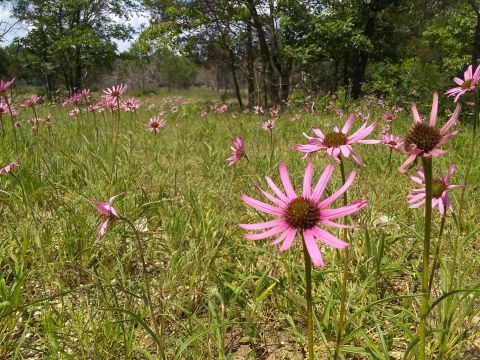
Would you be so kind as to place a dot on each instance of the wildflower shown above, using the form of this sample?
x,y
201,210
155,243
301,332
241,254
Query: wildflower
x,y
155,124
130,105
173,109
107,213
74,99
339,142
151,107
74,112
31,102
9,167
392,141
268,125
257,110
440,187
468,84
234,114
85,94
4,85
302,214
203,113
3,108
339,112
222,108
274,111
389,117
238,151
115,91
425,140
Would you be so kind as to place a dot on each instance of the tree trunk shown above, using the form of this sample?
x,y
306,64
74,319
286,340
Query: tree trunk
x,y
250,68
476,43
235,80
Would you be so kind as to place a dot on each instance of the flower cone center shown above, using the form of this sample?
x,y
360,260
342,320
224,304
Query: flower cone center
x,y
438,187
302,214
335,139
423,137
467,84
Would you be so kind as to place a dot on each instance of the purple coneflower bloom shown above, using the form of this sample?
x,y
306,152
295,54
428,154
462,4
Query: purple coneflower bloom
x,y
4,85
31,102
107,213
238,151
468,84
7,168
392,141
115,91
155,124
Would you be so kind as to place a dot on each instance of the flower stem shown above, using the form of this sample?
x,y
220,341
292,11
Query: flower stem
x,y
343,291
271,145
390,160
437,251
13,120
471,155
158,331
308,296
422,331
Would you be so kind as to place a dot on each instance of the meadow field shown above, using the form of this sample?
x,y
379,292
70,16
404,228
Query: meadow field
x,y
173,276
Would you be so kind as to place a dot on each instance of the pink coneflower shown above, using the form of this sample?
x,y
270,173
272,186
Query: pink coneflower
x,y
151,107
339,112
4,85
234,114
31,102
302,213
440,187
391,141
116,91
74,112
7,168
257,110
130,105
107,213
3,108
221,109
203,113
155,124
339,142
425,140
173,109
268,125
468,84
389,116
238,150
85,94
274,111
74,99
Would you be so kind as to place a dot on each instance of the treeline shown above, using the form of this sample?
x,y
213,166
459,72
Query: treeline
x,y
263,50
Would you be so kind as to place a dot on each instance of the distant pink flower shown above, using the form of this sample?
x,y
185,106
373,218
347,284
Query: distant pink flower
x,y
268,125
238,151
74,112
107,213
74,99
440,187
468,84
222,108
151,106
302,214
203,113
339,112
7,168
3,108
274,111
339,142
246,111
257,110
173,109
85,94
130,105
295,117
4,85
391,141
31,102
389,117
425,140
116,91
155,124
234,114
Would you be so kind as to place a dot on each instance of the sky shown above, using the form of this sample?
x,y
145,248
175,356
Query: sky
x,y
137,20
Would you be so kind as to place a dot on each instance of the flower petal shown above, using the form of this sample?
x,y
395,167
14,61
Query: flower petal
x,y
287,184
322,183
312,249
329,239
261,206
307,180
325,203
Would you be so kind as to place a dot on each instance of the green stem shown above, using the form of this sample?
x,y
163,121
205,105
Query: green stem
x,y
422,331
13,120
308,296
158,330
390,160
343,291
437,251
271,146
471,155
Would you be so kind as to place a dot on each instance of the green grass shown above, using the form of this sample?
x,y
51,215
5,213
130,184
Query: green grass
x,y
218,295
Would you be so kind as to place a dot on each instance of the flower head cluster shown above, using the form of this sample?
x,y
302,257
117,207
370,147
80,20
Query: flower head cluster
x,y
465,85
425,140
130,105
155,124
107,212
338,142
440,187
237,151
304,213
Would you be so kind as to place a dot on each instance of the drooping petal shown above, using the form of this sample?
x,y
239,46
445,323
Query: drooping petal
x,y
339,192
348,123
102,229
329,239
452,121
332,214
410,159
322,183
280,238
262,225
312,249
276,190
261,206
307,180
273,199
272,232
287,184
289,238
433,114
